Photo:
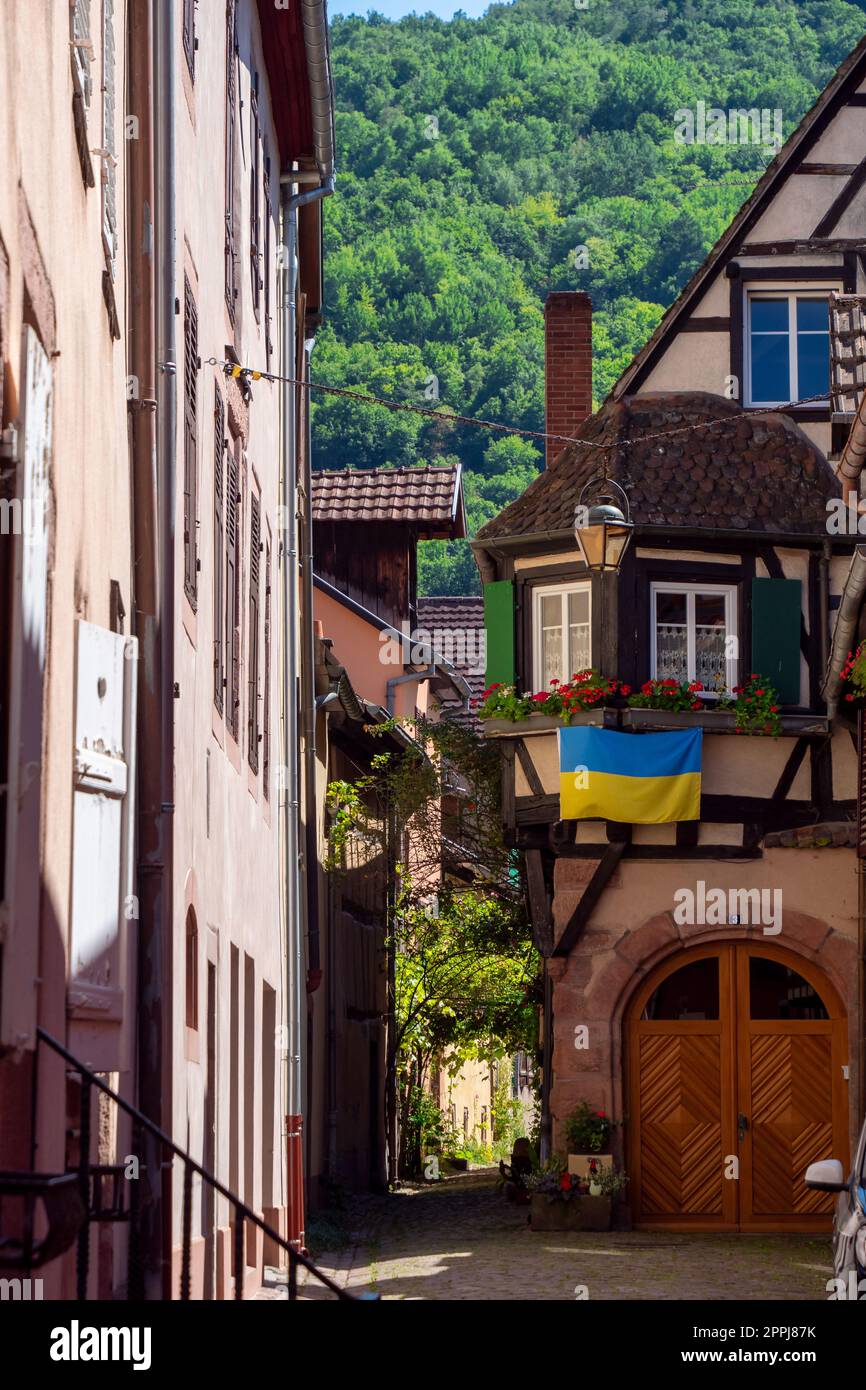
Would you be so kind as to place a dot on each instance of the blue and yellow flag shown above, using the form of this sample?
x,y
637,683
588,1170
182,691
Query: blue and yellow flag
x,y
647,779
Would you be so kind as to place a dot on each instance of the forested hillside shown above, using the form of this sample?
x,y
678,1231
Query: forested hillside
x,y
477,156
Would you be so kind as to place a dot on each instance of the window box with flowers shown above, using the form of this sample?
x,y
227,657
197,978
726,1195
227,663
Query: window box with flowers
x,y
659,704
587,698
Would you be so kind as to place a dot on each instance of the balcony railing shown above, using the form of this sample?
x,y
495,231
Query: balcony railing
x,y
96,1192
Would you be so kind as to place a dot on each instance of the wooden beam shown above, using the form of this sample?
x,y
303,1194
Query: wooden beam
x,y
790,770
720,810
711,324
539,902
842,200
508,796
830,169
591,894
529,769
689,854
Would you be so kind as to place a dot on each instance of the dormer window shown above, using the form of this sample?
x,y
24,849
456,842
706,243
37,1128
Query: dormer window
x,y
561,624
787,346
694,634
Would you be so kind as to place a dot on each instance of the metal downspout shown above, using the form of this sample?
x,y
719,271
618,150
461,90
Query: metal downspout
x,y
145,607
289,204
158,985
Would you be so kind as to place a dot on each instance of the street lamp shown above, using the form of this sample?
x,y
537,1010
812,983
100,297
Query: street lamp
x,y
602,526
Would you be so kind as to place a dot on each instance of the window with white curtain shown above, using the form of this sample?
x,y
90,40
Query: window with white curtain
x,y
561,627
694,634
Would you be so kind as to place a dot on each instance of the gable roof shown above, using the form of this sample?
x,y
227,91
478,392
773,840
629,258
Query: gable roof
x,y
686,459
428,499
848,77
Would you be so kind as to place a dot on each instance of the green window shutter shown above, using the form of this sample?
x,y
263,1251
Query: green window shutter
x,y
499,627
776,609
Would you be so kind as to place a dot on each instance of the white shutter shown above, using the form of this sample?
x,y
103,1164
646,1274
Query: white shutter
x,y
102,911
20,939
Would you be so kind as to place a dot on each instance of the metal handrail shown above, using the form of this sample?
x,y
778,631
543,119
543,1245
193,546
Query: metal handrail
x,y
242,1212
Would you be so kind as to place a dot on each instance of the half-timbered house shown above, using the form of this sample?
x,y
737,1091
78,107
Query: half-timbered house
x,y
726,1044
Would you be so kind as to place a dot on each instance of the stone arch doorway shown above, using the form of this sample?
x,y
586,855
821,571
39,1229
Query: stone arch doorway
x,y
734,1057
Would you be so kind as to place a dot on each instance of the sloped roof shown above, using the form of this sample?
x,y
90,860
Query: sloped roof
x,y
688,459
429,499
843,84
456,626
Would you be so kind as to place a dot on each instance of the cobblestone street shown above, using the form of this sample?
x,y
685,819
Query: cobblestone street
x,y
460,1240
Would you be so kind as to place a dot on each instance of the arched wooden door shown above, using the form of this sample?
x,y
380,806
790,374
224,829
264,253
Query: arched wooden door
x,y
735,1084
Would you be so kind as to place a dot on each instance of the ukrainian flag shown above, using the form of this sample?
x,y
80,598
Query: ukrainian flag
x,y
647,779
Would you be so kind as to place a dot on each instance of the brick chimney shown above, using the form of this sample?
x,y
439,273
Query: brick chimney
x,y
567,365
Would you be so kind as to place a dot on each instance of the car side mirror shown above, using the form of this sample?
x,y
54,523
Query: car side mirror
x,y
826,1176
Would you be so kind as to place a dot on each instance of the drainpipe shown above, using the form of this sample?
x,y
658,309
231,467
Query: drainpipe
x,y
152,346
545,1137
308,703
289,204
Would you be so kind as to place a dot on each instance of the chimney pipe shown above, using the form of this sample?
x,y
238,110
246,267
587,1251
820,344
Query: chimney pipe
x,y
567,365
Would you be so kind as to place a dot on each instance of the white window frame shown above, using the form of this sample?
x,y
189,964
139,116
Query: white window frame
x,y
791,293
691,590
545,591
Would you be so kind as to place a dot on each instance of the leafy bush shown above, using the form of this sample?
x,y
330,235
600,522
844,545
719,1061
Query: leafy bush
x,y
587,1129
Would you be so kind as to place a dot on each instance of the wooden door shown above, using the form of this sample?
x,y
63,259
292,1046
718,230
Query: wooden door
x,y
792,1091
734,1055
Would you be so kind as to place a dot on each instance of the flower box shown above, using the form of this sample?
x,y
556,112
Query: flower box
x,y
577,1214
602,718
713,720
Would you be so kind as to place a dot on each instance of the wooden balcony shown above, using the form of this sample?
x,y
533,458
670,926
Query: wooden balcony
x,y
750,784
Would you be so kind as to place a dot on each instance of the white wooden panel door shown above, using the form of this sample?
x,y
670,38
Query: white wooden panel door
x,y
20,935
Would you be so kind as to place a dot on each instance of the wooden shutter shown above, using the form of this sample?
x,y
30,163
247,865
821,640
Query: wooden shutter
x,y
499,629
255,198
253,653
218,550
19,948
230,239
109,143
189,39
233,587
190,461
266,690
103,839
266,261
776,622
81,55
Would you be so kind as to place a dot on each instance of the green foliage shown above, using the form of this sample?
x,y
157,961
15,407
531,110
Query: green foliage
x,y
465,966
477,155
587,1129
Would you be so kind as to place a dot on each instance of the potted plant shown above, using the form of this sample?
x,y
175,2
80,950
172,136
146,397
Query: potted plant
x,y
587,1129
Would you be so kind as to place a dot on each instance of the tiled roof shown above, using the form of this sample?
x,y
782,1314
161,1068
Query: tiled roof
x,y
747,472
456,627
428,498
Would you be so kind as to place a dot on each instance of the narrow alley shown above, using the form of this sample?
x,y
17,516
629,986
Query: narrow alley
x,y
460,1240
